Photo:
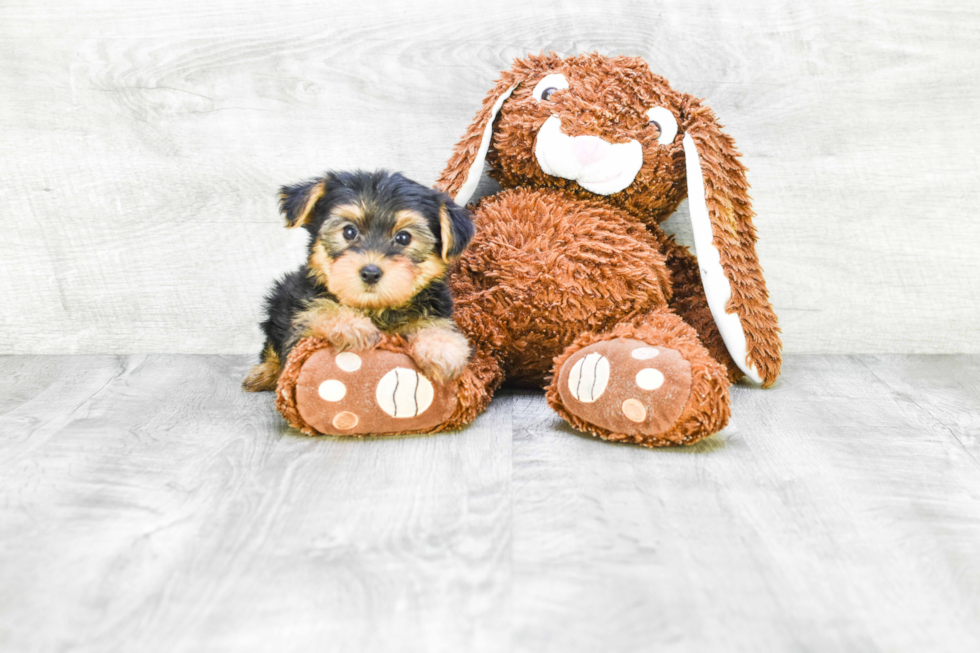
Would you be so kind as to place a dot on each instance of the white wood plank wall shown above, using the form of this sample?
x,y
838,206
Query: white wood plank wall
x,y
142,144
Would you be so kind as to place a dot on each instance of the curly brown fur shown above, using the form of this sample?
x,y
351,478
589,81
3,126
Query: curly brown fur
x,y
378,256
556,266
608,97
548,282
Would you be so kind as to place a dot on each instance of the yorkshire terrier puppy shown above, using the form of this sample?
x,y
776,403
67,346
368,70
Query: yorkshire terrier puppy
x,y
379,253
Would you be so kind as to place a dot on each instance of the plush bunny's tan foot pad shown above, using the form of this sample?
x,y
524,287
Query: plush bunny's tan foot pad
x,y
626,386
374,392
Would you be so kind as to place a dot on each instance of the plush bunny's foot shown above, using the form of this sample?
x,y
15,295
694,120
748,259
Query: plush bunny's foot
x,y
626,386
374,392
622,388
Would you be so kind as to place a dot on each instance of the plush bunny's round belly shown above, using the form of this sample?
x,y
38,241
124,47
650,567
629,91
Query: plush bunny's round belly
x,y
569,266
571,285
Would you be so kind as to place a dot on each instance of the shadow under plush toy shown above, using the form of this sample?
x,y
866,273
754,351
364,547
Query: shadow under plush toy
x,y
570,284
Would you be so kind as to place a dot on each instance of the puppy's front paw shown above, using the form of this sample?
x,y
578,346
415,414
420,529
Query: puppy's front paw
x,y
346,331
440,353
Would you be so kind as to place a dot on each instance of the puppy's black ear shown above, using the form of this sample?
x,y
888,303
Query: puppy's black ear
x,y
296,203
455,229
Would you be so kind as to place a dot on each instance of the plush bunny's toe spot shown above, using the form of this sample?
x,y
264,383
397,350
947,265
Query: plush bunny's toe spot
x,y
345,420
634,410
649,379
626,386
644,353
381,392
404,393
589,377
348,361
332,390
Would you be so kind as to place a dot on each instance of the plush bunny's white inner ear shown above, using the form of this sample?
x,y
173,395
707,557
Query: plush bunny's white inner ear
x,y
717,287
476,169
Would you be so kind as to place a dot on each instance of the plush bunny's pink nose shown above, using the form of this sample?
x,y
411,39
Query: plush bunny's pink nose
x,y
589,149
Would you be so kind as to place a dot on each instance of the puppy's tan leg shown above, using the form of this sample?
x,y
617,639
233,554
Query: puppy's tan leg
x,y
264,376
343,327
440,351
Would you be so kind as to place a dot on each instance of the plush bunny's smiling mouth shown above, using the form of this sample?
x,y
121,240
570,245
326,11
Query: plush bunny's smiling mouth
x,y
597,165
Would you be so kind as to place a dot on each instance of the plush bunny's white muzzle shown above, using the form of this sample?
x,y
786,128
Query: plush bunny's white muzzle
x,y
597,165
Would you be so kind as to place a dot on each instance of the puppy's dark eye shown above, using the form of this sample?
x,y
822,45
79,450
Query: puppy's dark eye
x,y
350,232
403,238
546,93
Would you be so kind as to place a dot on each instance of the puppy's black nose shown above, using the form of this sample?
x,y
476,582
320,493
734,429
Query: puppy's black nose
x,y
370,274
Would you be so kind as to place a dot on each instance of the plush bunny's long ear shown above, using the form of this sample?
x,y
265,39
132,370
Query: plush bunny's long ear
x,y
462,174
724,240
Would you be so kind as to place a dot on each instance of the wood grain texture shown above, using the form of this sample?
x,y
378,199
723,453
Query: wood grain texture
x,y
147,504
144,142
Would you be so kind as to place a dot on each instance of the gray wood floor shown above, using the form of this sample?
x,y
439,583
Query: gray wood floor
x,y
147,504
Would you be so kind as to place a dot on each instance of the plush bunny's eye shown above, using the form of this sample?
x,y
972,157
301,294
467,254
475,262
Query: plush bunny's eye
x,y
665,122
548,85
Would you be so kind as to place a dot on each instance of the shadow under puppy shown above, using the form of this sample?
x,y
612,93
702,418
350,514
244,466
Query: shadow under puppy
x,y
379,252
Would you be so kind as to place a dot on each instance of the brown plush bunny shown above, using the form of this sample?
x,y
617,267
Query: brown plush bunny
x,y
570,284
